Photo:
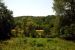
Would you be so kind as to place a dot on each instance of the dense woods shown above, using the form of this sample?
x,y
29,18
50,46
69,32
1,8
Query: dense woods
x,y
29,24
59,25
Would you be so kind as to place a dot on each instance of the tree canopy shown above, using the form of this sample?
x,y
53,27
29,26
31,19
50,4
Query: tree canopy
x,y
6,21
66,9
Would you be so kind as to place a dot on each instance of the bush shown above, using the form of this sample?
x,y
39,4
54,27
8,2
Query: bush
x,y
68,32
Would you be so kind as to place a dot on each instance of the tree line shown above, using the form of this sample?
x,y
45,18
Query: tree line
x,y
60,25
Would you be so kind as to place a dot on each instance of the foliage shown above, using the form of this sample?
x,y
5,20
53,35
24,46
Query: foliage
x,y
66,9
30,24
6,21
37,44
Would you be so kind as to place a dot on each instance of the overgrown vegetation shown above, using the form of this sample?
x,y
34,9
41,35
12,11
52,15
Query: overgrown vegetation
x,y
29,24
37,44
39,33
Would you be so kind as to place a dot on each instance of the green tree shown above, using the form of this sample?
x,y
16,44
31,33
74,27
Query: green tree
x,y
66,8
58,6
6,21
29,26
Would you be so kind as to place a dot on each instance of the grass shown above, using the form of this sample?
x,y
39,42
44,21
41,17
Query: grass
x,y
37,44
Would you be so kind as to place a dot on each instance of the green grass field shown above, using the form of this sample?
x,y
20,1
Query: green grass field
x,y
37,44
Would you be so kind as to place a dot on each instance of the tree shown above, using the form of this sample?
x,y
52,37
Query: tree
x,y
6,21
66,9
58,6
28,26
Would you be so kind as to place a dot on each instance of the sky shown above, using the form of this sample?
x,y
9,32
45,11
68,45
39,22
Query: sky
x,y
30,7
